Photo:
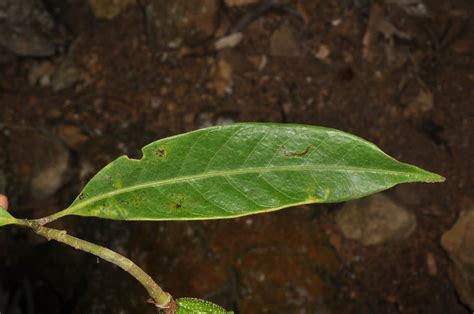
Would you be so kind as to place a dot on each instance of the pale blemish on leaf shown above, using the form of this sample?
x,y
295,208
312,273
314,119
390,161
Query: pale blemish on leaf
x,y
321,194
118,184
98,210
314,199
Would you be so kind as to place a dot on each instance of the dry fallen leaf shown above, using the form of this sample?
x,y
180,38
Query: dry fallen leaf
x,y
221,74
228,41
423,102
72,136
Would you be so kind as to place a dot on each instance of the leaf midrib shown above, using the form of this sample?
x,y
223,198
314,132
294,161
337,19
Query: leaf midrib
x,y
227,172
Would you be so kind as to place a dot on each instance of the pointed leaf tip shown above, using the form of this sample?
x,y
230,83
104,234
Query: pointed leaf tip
x,y
427,176
436,178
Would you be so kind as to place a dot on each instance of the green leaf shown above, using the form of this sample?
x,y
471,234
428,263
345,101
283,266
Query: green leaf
x,y
241,169
6,218
194,306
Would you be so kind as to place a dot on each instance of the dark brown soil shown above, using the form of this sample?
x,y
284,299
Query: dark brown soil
x,y
417,106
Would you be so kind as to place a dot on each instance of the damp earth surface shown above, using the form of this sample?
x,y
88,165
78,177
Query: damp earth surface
x,y
83,82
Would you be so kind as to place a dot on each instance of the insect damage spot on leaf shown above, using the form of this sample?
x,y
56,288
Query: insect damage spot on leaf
x,y
287,153
178,201
161,152
82,196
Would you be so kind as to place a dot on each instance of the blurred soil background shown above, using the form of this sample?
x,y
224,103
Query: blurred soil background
x,y
83,82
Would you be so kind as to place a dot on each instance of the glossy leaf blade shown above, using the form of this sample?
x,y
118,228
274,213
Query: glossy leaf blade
x,y
241,169
6,218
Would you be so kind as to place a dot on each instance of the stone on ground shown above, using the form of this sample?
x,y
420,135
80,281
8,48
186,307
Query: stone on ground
x,y
459,243
375,220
